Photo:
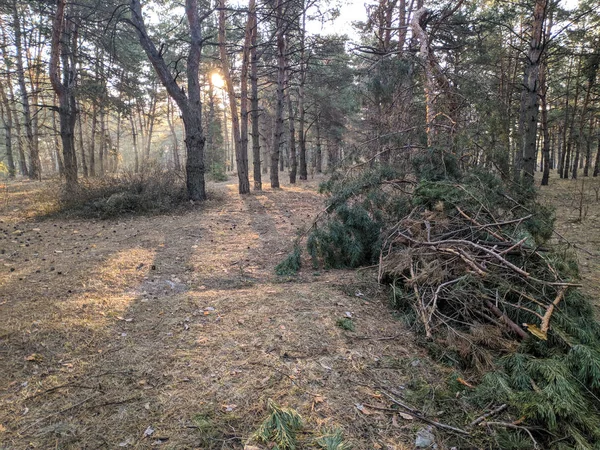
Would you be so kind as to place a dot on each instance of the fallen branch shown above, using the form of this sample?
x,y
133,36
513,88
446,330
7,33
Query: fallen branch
x,y
516,427
507,321
416,415
493,412
546,319
492,253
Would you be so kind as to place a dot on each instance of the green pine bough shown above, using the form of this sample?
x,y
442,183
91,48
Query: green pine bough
x,y
471,261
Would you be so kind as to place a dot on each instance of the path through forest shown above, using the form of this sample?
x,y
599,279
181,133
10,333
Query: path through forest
x,y
173,331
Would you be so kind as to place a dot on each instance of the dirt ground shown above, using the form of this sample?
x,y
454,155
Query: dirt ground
x,y
578,225
172,331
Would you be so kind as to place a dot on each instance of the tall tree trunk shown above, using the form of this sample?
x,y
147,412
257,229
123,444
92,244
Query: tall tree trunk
x,y
136,157
11,100
544,100
582,121
597,161
301,110
243,156
278,129
34,158
319,153
151,120
564,127
241,151
6,114
588,148
530,96
103,141
57,158
114,151
434,76
84,167
570,126
189,105
64,33
429,85
293,161
254,98
170,120
93,139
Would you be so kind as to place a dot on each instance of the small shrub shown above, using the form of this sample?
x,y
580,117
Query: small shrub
x,y
153,191
346,324
217,172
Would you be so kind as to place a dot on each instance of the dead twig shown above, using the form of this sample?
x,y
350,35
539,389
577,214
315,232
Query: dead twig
x,y
58,413
507,321
493,412
516,427
416,415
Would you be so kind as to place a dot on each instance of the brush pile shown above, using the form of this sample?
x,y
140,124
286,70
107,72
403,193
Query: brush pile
x,y
461,257
471,262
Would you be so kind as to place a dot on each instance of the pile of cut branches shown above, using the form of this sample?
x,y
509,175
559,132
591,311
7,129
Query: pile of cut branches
x,y
472,263
467,263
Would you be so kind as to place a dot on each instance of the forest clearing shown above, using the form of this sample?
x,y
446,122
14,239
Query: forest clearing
x,y
300,224
153,322
178,324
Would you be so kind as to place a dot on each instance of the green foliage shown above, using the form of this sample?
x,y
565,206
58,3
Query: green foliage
x,y
346,324
333,440
152,191
291,264
553,384
279,428
436,165
358,209
217,172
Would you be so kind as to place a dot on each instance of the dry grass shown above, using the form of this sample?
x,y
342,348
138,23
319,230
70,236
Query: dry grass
x,y
578,220
178,323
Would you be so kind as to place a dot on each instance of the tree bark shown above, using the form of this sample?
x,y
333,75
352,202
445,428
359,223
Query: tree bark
x,y
59,165
582,121
571,127
170,120
254,99
151,120
588,148
84,167
241,150
6,114
530,96
597,161
433,74
319,152
278,129
34,158
189,105
301,92
64,33
544,100
293,160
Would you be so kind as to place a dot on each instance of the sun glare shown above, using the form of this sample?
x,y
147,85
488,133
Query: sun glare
x,y
217,80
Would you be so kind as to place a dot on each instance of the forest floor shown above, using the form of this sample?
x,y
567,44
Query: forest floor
x,y
172,331
577,209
